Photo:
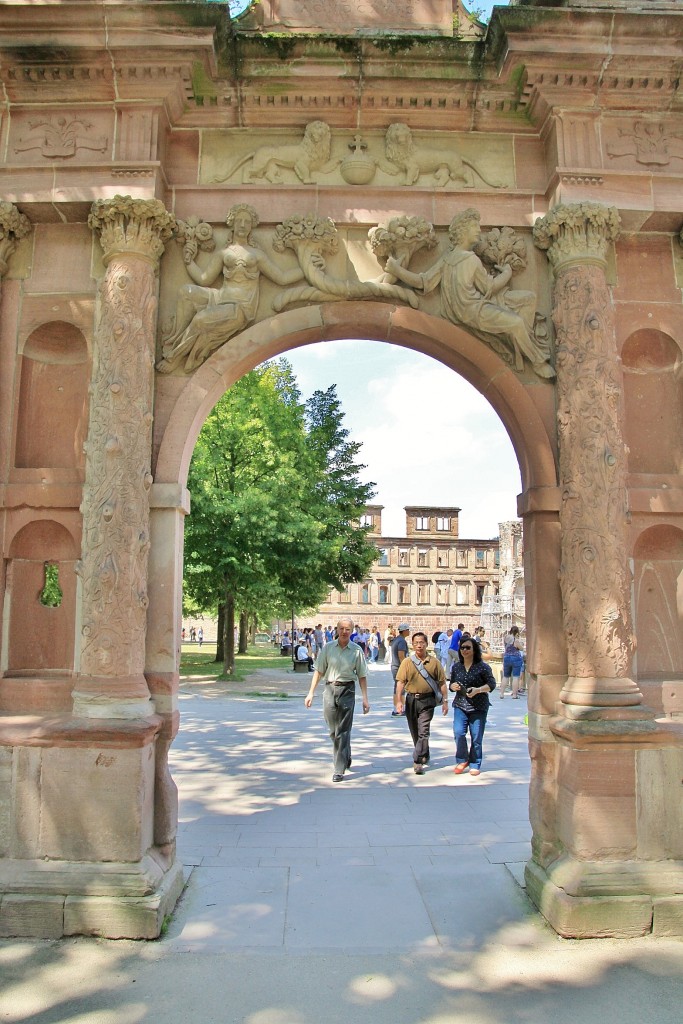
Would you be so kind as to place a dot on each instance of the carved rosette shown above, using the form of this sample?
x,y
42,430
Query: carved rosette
x,y
593,514
13,226
115,504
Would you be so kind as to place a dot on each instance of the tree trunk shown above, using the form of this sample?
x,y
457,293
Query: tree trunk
x,y
244,625
253,628
220,638
229,635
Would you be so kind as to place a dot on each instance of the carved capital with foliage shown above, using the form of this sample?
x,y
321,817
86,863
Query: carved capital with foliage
x,y
13,226
577,233
139,227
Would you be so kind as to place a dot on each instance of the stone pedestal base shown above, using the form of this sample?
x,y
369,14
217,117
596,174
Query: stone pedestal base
x,y
107,914
80,801
608,823
616,908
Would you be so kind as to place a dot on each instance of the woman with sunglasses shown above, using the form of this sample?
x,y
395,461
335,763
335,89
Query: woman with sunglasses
x,y
472,681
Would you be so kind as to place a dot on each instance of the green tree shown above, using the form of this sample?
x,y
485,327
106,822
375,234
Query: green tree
x,y
275,503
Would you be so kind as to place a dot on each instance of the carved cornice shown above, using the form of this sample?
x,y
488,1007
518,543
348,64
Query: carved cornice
x,y
13,226
138,227
577,233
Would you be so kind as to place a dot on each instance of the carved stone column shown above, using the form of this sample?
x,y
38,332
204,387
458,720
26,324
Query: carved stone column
x,y
594,575
13,226
115,507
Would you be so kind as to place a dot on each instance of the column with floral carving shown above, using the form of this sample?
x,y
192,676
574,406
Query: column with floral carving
x,y
594,575
13,226
115,508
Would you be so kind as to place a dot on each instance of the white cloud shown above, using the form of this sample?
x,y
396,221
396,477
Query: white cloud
x,y
428,436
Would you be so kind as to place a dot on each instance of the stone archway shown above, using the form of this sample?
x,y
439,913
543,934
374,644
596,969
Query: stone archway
x,y
573,176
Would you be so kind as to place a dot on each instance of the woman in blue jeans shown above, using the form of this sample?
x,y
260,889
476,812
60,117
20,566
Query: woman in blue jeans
x,y
513,662
472,681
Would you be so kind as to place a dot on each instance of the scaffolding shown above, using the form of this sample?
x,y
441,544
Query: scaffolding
x,y
498,614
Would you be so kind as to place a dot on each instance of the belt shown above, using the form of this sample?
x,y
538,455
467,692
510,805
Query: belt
x,y
342,682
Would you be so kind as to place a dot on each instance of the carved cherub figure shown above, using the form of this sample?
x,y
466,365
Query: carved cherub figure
x,y
473,298
403,154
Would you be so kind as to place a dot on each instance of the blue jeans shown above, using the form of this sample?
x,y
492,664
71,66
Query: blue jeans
x,y
475,723
512,665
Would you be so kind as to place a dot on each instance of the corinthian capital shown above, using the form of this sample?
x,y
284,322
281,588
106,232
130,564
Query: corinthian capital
x,y
139,227
577,233
13,226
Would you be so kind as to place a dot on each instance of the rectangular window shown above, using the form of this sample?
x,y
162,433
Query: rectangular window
x,y
345,596
404,556
365,594
462,592
383,557
479,599
423,593
404,593
442,593
443,523
421,522
442,559
480,560
383,593
367,520
461,558
422,557
496,559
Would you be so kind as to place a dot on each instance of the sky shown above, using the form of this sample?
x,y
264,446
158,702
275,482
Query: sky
x,y
459,455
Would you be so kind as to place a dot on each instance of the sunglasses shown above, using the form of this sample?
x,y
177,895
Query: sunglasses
x,y
465,647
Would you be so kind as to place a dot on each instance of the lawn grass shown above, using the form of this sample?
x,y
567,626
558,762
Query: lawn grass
x,y
200,662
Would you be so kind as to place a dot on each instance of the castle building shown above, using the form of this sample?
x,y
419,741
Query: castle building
x,y
430,578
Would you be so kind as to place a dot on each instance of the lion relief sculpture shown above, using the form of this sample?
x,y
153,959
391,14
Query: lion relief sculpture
x,y
413,160
311,154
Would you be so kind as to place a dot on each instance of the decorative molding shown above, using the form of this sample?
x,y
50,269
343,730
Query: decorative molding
x,y
649,142
577,233
591,180
58,138
404,158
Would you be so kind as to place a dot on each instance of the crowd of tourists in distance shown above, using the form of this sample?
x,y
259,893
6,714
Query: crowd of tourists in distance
x,y
458,662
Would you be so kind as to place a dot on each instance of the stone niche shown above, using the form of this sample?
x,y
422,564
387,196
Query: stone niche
x,y
358,16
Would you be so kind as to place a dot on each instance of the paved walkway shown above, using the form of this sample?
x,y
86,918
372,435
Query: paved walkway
x,y
386,899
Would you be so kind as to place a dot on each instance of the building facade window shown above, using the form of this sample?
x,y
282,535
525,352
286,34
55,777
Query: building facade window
x,y
404,593
423,593
461,558
383,593
421,522
404,556
480,559
443,523
422,557
496,559
479,596
442,590
383,557
442,559
367,520
462,593
365,593
345,596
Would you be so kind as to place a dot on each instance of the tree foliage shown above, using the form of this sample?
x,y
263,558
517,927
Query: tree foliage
x,y
276,496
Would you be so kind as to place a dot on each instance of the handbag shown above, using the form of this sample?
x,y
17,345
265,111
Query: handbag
x,y
436,689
